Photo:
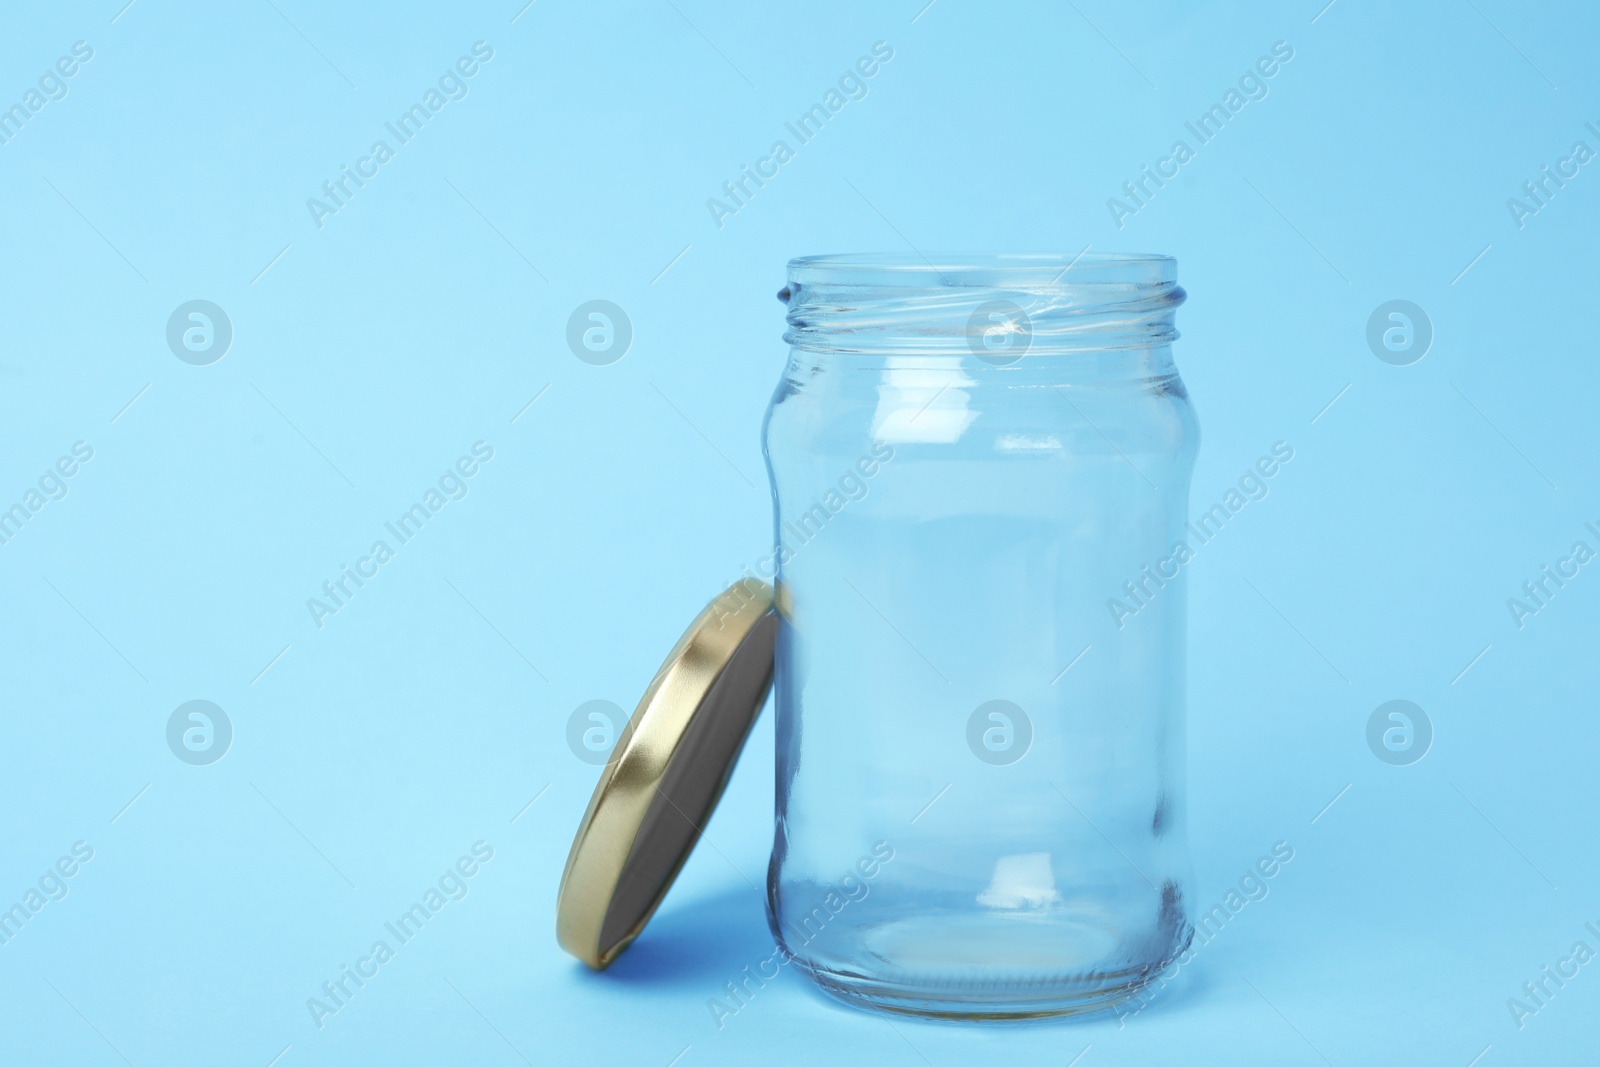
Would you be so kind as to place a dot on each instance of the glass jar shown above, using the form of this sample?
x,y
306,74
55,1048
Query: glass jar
x,y
980,469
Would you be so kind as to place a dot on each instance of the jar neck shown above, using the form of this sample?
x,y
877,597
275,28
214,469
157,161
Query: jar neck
x,y
999,312
815,368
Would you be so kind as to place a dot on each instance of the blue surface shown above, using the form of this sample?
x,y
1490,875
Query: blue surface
x,y
368,354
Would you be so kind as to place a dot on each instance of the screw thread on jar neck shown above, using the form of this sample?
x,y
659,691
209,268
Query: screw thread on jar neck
x,y
998,308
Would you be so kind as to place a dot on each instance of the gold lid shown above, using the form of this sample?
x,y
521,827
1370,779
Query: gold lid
x,y
666,774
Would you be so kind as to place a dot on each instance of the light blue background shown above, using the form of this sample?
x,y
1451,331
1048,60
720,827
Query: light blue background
x,y
429,311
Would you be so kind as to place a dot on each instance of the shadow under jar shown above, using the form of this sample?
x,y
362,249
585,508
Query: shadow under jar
x,y
980,470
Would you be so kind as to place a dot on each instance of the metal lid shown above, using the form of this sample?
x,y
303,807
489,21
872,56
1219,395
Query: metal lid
x,y
666,774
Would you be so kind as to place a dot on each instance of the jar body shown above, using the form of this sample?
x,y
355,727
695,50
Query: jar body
x,y
980,726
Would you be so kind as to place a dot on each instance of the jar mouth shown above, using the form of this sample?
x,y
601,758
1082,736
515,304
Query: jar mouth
x,y
984,269
996,307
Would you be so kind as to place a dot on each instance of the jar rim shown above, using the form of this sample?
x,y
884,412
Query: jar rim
x,y
984,269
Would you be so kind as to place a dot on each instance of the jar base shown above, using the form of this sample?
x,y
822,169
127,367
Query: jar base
x,y
1081,996
1078,958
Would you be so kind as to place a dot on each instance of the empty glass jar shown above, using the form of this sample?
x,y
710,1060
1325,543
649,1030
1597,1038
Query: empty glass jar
x,y
980,468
